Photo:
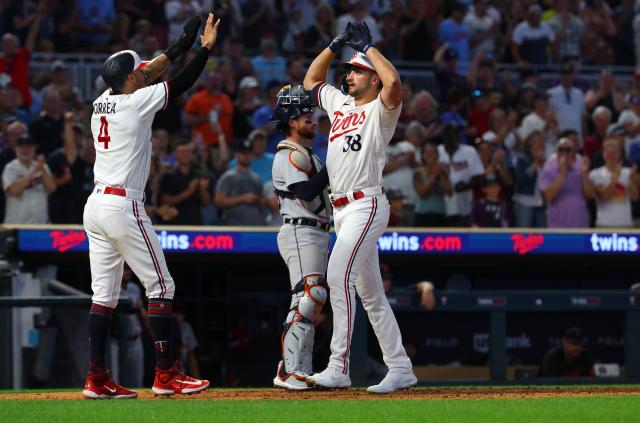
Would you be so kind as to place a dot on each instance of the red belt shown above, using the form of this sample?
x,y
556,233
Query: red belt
x,y
115,191
344,200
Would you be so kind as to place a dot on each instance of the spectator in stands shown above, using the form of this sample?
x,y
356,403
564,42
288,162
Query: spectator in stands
x,y
606,94
142,29
358,12
269,64
27,182
417,32
66,203
568,103
93,23
528,202
629,119
158,213
494,161
396,207
616,186
425,110
542,119
391,42
615,132
177,13
465,172
246,104
482,29
570,358
568,31
447,76
15,60
601,118
482,76
185,189
62,81
531,39
565,186
256,17
239,191
431,183
321,32
210,113
453,31
504,128
481,108
455,103
48,127
490,211
295,70
293,40
261,160
7,153
400,161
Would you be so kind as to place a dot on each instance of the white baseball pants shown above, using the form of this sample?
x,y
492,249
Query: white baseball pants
x,y
119,230
354,266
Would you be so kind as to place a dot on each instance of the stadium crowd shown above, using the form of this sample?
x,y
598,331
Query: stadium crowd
x,y
491,146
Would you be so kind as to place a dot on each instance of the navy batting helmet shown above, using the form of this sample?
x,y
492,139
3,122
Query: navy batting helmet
x,y
118,66
293,102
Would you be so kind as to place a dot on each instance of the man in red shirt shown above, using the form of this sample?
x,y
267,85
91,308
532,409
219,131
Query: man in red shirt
x,y
14,60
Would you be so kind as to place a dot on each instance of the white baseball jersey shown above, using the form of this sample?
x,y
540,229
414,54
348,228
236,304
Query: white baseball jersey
x,y
121,127
358,138
285,174
356,156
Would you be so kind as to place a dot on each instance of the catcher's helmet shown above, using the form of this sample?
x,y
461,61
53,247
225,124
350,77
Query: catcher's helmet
x,y
293,102
118,66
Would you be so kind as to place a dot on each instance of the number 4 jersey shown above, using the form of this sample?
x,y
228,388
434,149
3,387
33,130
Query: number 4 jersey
x,y
121,128
358,139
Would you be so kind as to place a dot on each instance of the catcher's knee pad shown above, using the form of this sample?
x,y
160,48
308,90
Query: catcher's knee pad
x,y
297,340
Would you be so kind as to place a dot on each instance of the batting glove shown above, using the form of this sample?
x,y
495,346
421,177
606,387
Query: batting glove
x,y
337,43
360,39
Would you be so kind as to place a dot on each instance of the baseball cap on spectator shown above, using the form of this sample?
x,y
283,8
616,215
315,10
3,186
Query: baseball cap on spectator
x,y
489,136
257,133
450,54
564,143
244,146
575,335
490,178
25,139
261,117
248,82
616,130
528,86
58,65
453,119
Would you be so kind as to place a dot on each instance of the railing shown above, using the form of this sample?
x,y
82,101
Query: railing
x,y
85,68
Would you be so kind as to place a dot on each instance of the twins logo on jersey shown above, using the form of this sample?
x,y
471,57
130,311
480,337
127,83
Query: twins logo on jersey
x,y
344,125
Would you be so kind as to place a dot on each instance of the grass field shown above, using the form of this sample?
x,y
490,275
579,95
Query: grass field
x,y
424,405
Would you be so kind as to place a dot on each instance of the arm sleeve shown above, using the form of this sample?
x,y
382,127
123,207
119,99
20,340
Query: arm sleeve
x,y
308,190
189,74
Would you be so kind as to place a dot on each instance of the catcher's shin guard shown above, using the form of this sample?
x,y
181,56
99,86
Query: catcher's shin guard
x,y
309,295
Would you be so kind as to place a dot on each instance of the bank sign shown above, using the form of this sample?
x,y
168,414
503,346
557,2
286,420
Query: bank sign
x,y
442,242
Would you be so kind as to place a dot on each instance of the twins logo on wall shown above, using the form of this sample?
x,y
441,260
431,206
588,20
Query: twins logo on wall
x,y
523,244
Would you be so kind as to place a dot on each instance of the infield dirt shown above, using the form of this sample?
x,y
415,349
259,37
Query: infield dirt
x,y
356,394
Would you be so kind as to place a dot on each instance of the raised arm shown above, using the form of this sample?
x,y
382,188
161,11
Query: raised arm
x,y
317,71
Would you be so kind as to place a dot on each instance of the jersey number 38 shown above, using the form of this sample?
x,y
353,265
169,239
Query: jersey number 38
x,y
103,136
352,142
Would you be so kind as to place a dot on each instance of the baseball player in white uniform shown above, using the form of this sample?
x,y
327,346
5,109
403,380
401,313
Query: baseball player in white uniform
x,y
114,217
363,122
300,182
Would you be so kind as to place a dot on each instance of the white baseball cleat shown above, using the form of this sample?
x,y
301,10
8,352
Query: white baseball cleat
x,y
330,378
392,382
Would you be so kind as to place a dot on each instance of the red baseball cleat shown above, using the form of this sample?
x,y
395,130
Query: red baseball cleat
x,y
171,381
100,386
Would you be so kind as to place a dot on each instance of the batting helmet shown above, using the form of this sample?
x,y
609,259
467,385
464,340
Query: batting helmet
x,y
118,66
293,102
